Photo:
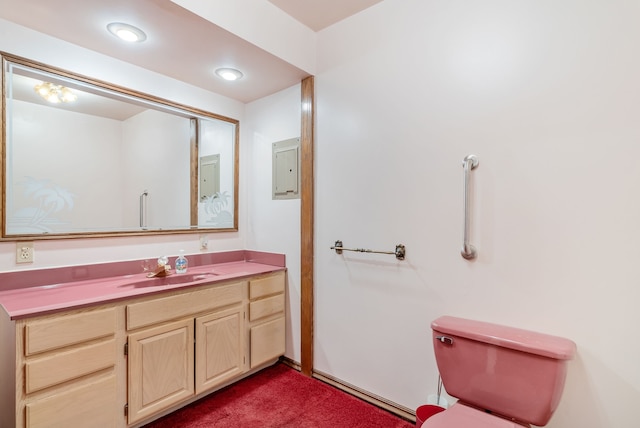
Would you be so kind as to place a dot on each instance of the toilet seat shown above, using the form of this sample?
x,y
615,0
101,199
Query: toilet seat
x,y
462,416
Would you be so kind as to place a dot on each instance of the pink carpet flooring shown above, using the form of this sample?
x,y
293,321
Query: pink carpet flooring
x,y
276,397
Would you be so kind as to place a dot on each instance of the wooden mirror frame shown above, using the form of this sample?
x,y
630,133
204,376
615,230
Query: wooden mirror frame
x,y
192,228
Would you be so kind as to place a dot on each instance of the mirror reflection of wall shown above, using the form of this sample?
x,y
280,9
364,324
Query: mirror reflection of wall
x,y
155,157
81,166
215,206
72,171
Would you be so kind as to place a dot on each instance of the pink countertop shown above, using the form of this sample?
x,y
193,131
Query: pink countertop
x,y
42,297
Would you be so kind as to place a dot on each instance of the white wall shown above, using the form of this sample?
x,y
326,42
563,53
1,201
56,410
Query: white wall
x,y
274,225
21,41
546,94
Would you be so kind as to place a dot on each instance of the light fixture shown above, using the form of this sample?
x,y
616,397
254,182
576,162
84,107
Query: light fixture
x,y
127,32
55,93
229,73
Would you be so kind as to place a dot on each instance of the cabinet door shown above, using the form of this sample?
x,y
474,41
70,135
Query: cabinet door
x,y
219,347
160,368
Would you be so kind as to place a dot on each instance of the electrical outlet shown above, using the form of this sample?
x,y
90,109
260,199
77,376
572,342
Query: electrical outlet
x,y
204,242
24,252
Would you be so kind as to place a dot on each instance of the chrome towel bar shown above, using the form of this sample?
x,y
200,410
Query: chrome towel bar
x,y
399,252
468,251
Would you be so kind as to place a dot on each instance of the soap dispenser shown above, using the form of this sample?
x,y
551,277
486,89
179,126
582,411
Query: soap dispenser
x,y
181,263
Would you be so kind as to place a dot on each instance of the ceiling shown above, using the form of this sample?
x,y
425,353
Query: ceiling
x,y
179,44
319,14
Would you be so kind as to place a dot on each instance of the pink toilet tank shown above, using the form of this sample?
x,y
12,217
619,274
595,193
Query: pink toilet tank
x,y
512,373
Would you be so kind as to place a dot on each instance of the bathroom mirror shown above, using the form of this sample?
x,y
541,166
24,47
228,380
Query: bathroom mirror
x,y
84,158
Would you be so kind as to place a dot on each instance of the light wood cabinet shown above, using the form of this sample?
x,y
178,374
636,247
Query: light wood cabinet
x,y
59,332
122,364
66,370
88,405
203,300
220,351
171,361
162,359
58,367
267,341
266,318
160,368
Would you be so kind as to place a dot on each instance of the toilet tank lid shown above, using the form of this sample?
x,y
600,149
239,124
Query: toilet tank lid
x,y
508,337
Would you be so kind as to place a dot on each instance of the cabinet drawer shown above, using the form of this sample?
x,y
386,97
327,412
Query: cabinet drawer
x,y
267,341
265,286
180,305
68,330
51,370
264,307
92,405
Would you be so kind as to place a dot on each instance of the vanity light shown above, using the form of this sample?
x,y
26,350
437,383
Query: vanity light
x,y
229,73
55,93
127,32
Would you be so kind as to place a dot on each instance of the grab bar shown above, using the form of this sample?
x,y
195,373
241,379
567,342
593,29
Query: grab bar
x,y
143,209
399,252
468,251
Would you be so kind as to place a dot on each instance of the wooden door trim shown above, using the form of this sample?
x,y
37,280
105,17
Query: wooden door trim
x,y
306,224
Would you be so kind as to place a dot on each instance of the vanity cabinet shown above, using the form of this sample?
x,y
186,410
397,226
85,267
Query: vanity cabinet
x,y
123,363
66,369
165,367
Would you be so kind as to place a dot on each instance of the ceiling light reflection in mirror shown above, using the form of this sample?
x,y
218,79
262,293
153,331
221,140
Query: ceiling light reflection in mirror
x,y
55,93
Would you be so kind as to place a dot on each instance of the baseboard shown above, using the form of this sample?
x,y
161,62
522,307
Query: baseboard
x,y
360,393
291,363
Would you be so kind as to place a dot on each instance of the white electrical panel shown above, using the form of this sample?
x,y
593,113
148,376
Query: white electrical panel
x,y
286,175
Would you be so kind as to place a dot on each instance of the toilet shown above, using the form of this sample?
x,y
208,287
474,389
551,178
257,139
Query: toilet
x,y
503,377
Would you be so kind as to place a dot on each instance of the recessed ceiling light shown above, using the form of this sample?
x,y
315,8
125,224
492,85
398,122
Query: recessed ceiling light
x,y
229,73
127,32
